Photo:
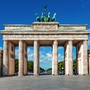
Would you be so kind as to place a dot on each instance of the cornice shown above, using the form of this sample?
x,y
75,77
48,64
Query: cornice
x,y
44,32
60,25
14,25
73,25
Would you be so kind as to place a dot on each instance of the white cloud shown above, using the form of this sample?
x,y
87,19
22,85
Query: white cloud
x,y
30,54
88,42
60,47
45,57
16,53
60,58
49,54
1,48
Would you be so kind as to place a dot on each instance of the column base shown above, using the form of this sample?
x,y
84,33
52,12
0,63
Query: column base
x,y
20,75
55,74
36,74
69,74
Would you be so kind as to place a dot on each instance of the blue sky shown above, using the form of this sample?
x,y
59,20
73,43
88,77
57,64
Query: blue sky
x,y
23,12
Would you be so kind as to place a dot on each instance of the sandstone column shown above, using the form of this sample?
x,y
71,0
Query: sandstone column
x,y
21,61
55,58
1,59
82,62
85,60
25,58
68,58
52,60
11,56
36,58
80,58
5,58
89,62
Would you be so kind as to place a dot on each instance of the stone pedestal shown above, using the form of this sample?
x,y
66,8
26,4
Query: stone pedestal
x,y
21,59
45,26
5,58
55,58
36,58
68,58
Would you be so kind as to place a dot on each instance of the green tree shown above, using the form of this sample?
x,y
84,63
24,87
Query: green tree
x,y
49,69
41,69
16,65
74,64
30,65
61,65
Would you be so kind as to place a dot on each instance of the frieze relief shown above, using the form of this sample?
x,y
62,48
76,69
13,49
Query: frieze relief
x,y
45,36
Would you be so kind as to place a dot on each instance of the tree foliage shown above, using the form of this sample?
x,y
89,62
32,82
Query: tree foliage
x,y
41,69
16,65
30,66
49,69
74,64
60,66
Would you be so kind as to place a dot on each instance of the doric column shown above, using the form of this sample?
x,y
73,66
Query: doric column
x,y
52,60
85,61
68,58
70,45
1,60
79,58
5,58
21,61
36,58
11,55
55,58
82,62
89,62
25,58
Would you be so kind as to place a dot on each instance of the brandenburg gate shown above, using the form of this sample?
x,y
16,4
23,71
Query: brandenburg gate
x,y
45,34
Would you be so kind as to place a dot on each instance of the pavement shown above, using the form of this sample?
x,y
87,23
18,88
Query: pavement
x,y
45,82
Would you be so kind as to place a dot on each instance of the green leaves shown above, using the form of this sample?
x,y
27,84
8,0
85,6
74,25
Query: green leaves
x,y
30,66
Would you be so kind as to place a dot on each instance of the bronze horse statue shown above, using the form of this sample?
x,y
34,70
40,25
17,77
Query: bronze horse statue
x,y
37,17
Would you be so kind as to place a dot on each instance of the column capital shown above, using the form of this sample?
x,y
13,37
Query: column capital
x,y
36,41
21,40
55,42
6,41
85,41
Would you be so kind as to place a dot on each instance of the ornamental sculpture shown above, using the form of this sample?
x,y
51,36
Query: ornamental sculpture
x,y
45,17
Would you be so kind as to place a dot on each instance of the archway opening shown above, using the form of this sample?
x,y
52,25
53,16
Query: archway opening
x,y
74,61
45,60
16,60
61,60
30,60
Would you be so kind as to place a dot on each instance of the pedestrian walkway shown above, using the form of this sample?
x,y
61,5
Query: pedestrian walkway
x,y
45,82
